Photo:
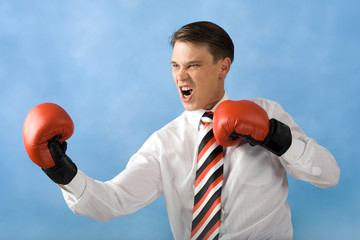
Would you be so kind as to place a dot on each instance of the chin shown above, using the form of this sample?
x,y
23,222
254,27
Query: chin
x,y
190,107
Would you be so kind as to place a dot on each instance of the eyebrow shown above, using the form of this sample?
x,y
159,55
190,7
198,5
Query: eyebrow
x,y
190,62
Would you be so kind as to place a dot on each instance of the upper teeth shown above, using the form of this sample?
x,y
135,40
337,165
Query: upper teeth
x,y
185,88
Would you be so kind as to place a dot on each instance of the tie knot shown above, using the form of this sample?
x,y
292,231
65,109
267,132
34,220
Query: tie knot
x,y
207,118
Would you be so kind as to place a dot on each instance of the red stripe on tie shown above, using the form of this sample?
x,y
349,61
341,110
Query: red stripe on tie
x,y
216,226
203,220
212,186
208,168
205,148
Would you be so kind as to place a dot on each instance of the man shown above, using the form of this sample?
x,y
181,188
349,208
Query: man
x,y
241,193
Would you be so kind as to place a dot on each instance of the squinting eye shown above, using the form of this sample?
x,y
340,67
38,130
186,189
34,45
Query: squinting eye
x,y
194,65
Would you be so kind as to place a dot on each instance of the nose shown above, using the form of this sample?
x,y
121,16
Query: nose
x,y
181,75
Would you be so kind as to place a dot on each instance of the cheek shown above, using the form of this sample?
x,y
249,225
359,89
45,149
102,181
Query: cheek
x,y
204,89
210,84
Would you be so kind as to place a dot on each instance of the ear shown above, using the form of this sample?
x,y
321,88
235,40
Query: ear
x,y
225,67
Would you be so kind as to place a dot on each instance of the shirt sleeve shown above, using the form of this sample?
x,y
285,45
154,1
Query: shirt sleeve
x,y
305,159
135,187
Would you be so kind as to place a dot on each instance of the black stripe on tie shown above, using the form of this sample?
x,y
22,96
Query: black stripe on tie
x,y
205,140
218,150
208,115
210,225
211,179
205,209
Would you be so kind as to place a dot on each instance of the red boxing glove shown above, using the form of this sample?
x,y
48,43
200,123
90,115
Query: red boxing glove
x,y
235,121
45,130
42,123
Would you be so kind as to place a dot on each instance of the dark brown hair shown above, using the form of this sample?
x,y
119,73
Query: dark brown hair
x,y
203,32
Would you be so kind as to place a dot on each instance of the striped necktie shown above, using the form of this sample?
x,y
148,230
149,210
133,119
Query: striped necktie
x,y
208,184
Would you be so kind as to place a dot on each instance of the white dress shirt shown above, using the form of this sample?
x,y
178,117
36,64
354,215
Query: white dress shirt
x,y
255,186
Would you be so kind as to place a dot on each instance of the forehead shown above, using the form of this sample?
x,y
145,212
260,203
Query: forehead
x,y
188,51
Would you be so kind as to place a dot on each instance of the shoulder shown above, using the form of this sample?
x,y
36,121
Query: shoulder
x,y
172,127
175,123
273,108
267,104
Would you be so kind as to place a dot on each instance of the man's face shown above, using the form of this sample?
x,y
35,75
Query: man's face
x,y
200,82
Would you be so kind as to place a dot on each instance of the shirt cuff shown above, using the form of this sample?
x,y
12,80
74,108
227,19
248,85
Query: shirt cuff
x,y
293,154
77,185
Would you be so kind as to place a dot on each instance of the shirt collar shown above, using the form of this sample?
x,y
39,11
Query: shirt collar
x,y
194,117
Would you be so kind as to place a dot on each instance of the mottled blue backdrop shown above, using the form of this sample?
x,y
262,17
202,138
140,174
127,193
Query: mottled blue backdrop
x,y
108,64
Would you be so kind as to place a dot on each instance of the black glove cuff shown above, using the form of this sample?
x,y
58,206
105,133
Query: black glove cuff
x,y
64,171
279,138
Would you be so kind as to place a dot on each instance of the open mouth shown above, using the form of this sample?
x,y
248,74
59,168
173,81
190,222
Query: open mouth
x,y
186,91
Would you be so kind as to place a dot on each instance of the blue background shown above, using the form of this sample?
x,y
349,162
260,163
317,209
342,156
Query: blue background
x,y
107,64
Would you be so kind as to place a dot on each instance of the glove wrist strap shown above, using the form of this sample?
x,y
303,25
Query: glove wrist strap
x,y
63,172
279,138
